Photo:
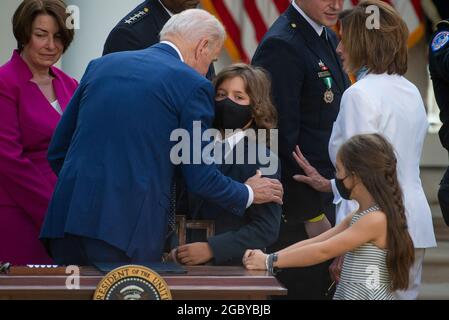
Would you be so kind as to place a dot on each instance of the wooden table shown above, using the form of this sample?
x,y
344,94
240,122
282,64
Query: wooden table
x,y
199,283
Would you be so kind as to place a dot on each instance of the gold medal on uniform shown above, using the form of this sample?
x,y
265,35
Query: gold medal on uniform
x,y
328,94
327,79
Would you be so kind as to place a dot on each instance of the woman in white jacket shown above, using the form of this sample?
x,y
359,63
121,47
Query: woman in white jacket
x,y
381,101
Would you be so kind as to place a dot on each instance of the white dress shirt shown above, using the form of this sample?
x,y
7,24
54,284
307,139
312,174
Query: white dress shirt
x,y
232,141
392,106
171,44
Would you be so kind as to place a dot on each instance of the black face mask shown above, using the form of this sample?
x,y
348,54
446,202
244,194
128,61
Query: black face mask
x,y
231,115
345,193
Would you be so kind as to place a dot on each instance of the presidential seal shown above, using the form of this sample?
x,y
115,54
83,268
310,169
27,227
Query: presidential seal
x,y
132,282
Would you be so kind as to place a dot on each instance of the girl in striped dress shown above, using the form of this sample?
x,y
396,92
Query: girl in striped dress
x,y
378,249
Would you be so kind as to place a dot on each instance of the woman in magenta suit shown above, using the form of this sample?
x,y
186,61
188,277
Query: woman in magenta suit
x,y
33,95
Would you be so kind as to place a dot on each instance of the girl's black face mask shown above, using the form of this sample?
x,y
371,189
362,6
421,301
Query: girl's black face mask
x,y
231,115
345,193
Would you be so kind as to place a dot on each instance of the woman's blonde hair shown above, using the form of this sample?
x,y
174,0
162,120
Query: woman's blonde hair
x,y
381,50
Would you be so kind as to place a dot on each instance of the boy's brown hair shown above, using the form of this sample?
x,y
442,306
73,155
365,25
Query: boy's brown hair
x,y
258,88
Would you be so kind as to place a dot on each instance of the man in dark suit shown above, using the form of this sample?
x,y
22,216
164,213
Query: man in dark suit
x,y
439,72
140,28
308,81
258,228
113,149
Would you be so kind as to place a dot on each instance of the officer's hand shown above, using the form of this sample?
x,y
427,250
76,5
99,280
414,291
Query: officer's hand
x,y
265,189
312,177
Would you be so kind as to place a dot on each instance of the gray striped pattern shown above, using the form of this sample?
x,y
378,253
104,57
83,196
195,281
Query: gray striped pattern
x,y
364,274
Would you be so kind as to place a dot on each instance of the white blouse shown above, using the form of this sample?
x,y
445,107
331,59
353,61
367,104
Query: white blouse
x,y
56,106
392,106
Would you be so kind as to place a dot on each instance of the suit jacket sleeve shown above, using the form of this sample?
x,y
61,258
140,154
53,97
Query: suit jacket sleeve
x,y
261,231
203,179
121,39
439,72
62,137
443,61
439,61
25,183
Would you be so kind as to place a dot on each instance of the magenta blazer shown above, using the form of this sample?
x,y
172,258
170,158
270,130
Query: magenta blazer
x,y
27,122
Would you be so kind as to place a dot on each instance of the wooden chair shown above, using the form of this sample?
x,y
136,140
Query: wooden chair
x,y
182,225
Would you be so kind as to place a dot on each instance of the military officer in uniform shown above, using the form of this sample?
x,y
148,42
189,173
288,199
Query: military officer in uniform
x,y
299,51
141,27
439,72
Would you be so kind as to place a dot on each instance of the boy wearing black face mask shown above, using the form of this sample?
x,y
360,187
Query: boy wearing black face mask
x,y
242,102
231,115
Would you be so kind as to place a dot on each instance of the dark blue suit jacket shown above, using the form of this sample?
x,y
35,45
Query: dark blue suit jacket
x,y
112,147
291,52
257,229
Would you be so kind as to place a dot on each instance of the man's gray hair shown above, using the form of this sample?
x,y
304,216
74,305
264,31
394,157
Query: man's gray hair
x,y
193,25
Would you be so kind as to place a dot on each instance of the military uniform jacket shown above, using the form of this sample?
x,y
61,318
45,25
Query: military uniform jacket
x,y
299,62
139,29
439,71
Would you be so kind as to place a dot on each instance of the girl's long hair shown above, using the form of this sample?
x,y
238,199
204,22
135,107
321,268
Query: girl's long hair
x,y
371,158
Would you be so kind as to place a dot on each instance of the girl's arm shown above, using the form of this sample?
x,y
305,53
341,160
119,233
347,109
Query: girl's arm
x,y
342,226
368,229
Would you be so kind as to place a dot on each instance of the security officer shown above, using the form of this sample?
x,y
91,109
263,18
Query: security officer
x,y
439,71
141,27
299,51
